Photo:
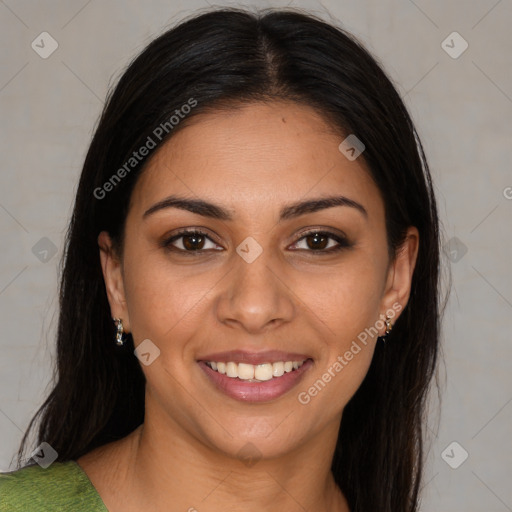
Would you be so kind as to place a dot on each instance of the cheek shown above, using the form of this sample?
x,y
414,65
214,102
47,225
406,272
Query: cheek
x,y
160,302
350,310
346,299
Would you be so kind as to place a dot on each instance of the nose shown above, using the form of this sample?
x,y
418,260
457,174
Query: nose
x,y
255,296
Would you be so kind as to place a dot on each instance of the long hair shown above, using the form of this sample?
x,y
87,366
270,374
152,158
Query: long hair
x,y
219,59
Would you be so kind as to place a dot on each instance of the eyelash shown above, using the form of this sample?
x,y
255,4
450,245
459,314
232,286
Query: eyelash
x,y
343,243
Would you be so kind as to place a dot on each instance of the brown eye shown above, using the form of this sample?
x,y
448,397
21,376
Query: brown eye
x,y
322,242
190,241
193,242
317,241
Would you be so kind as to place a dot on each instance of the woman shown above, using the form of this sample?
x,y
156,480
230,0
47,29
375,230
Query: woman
x,y
255,221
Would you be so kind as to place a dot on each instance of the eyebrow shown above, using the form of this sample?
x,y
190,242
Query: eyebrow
x,y
207,209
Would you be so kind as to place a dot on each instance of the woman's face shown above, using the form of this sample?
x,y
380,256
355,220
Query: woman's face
x,y
258,286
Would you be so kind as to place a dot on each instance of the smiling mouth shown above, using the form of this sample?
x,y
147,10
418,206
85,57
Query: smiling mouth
x,y
255,372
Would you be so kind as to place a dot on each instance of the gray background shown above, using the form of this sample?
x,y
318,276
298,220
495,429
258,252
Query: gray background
x,y
462,107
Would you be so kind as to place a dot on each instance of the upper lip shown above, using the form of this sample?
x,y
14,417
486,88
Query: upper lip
x,y
243,356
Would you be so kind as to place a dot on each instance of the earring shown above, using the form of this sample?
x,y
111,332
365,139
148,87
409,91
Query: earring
x,y
389,326
119,333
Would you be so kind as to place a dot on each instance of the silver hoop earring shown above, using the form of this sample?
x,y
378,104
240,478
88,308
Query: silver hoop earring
x,y
119,333
389,326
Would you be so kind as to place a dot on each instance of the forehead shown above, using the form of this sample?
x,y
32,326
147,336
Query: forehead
x,y
258,154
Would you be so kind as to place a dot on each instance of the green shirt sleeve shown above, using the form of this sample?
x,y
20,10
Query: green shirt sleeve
x,y
62,487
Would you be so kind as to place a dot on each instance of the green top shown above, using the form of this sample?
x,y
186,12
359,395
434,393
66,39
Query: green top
x,y
61,487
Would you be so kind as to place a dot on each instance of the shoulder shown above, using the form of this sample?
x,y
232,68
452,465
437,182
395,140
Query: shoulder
x,y
62,486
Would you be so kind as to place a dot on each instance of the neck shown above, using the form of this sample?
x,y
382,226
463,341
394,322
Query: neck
x,y
160,468
161,463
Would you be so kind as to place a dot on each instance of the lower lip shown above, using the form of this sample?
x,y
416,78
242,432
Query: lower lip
x,y
255,391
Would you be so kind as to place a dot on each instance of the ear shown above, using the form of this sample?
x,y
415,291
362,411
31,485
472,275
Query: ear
x,y
399,277
111,266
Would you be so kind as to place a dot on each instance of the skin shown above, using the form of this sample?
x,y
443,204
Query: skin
x,y
251,161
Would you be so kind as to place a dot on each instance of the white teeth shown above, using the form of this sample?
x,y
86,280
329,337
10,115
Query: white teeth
x,y
263,372
254,373
278,369
232,370
245,371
